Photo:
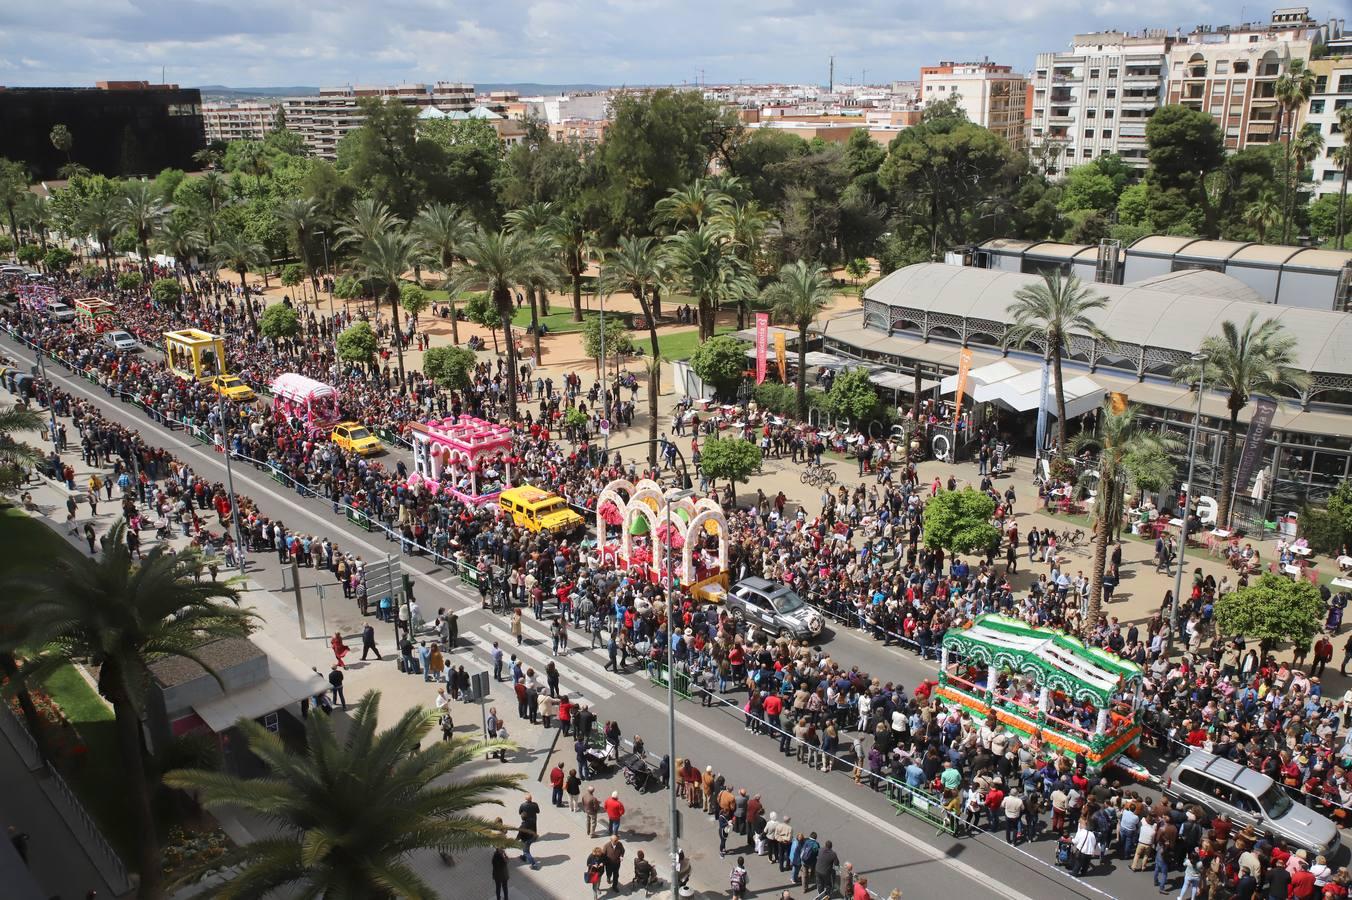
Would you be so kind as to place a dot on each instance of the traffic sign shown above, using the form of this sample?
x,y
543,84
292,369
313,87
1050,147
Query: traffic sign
x,y
605,426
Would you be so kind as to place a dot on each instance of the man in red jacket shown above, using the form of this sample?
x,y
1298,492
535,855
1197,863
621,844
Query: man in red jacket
x,y
614,812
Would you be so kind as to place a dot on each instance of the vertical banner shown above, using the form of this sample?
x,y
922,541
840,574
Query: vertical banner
x,y
1117,402
1042,405
1255,440
762,335
779,357
964,366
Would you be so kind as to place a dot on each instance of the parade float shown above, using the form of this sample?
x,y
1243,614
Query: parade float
x,y
466,457
94,314
297,398
696,543
194,354
1021,676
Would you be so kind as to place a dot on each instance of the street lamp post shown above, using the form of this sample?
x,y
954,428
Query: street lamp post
x,y
230,482
328,274
1200,359
42,373
672,497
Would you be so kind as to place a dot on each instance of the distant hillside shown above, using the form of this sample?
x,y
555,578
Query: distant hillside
x,y
221,92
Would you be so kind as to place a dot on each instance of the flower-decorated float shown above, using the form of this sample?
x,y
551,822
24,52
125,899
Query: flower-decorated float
x,y
313,404
696,542
467,457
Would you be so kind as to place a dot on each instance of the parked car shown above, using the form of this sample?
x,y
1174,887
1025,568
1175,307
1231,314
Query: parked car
x,y
121,342
355,438
231,387
60,312
1249,798
774,607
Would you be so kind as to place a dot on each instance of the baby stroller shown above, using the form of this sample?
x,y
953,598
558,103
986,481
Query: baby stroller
x,y
638,774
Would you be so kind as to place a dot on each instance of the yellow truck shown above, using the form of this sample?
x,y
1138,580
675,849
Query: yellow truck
x,y
533,508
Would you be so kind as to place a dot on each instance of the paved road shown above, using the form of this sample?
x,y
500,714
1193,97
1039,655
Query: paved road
x,y
896,850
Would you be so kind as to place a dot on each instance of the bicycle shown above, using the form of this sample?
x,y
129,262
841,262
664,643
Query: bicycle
x,y
817,475
1071,538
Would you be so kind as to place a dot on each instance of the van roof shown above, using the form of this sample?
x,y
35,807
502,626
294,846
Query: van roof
x,y
1256,783
529,494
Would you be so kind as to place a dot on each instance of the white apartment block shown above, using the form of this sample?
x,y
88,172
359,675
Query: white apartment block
x,y
238,121
1332,94
1095,98
322,120
992,96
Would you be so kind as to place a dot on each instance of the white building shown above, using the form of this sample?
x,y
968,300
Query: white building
x,y
244,121
1095,98
322,120
992,96
1332,94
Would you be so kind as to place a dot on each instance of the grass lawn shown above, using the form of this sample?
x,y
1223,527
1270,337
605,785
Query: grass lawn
x,y
682,344
559,320
95,775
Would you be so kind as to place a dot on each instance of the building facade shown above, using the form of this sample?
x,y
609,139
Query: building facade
x,y
1096,98
991,95
323,119
118,127
238,121
1332,94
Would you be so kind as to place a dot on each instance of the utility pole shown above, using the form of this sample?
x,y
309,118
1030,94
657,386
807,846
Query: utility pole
x,y
831,75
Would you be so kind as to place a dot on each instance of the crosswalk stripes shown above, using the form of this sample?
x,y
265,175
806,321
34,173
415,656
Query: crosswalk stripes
x,y
541,658
576,658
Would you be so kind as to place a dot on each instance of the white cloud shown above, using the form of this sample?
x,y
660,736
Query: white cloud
x,y
280,42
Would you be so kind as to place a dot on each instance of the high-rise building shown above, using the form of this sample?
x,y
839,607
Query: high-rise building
x,y
1332,94
1095,98
323,119
243,121
992,96
1231,71
117,127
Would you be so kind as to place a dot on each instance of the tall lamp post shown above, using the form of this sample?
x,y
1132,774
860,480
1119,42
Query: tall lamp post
x,y
328,275
230,481
1200,359
672,498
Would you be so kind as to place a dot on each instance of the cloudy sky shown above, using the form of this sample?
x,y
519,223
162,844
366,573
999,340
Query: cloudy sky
x,y
285,42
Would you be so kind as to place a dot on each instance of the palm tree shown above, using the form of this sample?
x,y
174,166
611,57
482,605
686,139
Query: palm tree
x,y
119,617
690,206
537,220
800,293
253,160
180,238
1047,312
215,193
36,213
1292,90
571,236
442,229
239,253
747,223
348,814
16,456
369,218
635,265
700,261
141,213
1306,147
301,217
500,261
1343,156
98,218
1262,214
384,258
1120,437
1258,356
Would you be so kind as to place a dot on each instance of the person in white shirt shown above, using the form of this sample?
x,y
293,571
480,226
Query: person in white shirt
x,y
1145,840
1086,848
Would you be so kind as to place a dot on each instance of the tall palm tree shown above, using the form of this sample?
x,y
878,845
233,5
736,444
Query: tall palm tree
x,y
1257,356
1293,90
1262,214
348,814
301,217
384,257
635,265
442,229
36,213
369,218
500,261
215,193
690,206
539,220
747,223
240,254
1343,156
16,456
119,617
1120,436
1050,310
571,236
799,294
180,238
1305,149
700,261
141,212
253,160
98,218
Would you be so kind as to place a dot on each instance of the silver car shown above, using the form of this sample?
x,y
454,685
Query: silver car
x,y
774,607
121,342
1249,798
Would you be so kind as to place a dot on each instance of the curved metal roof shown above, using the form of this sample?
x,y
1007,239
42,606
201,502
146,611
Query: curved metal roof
x,y
1134,314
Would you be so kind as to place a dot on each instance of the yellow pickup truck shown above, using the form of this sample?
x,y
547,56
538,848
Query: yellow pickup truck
x,y
533,508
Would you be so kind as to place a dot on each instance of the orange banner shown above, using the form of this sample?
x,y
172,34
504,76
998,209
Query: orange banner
x,y
964,366
1117,402
779,358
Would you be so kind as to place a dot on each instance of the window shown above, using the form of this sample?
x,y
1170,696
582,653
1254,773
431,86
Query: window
x,y
1218,87
1112,73
1344,84
1316,107
1236,89
1089,132
1107,114
1107,133
1241,66
1222,66
1089,113
1333,175
1253,39
1093,92
1093,73
1112,93
1086,153
1321,84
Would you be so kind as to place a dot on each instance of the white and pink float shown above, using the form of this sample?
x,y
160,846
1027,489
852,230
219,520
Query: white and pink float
x,y
640,511
466,457
298,397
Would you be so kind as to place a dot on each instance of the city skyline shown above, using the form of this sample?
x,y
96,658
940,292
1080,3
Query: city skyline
x,y
259,43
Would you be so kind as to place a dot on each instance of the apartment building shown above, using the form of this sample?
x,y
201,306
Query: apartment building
x,y
243,121
1332,94
1095,98
323,119
1231,72
991,95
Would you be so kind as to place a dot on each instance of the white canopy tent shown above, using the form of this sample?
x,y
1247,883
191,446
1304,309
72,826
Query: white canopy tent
x,y
1019,390
899,381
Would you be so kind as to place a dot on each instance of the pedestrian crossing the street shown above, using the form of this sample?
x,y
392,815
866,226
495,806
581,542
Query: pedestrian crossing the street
x,y
540,658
